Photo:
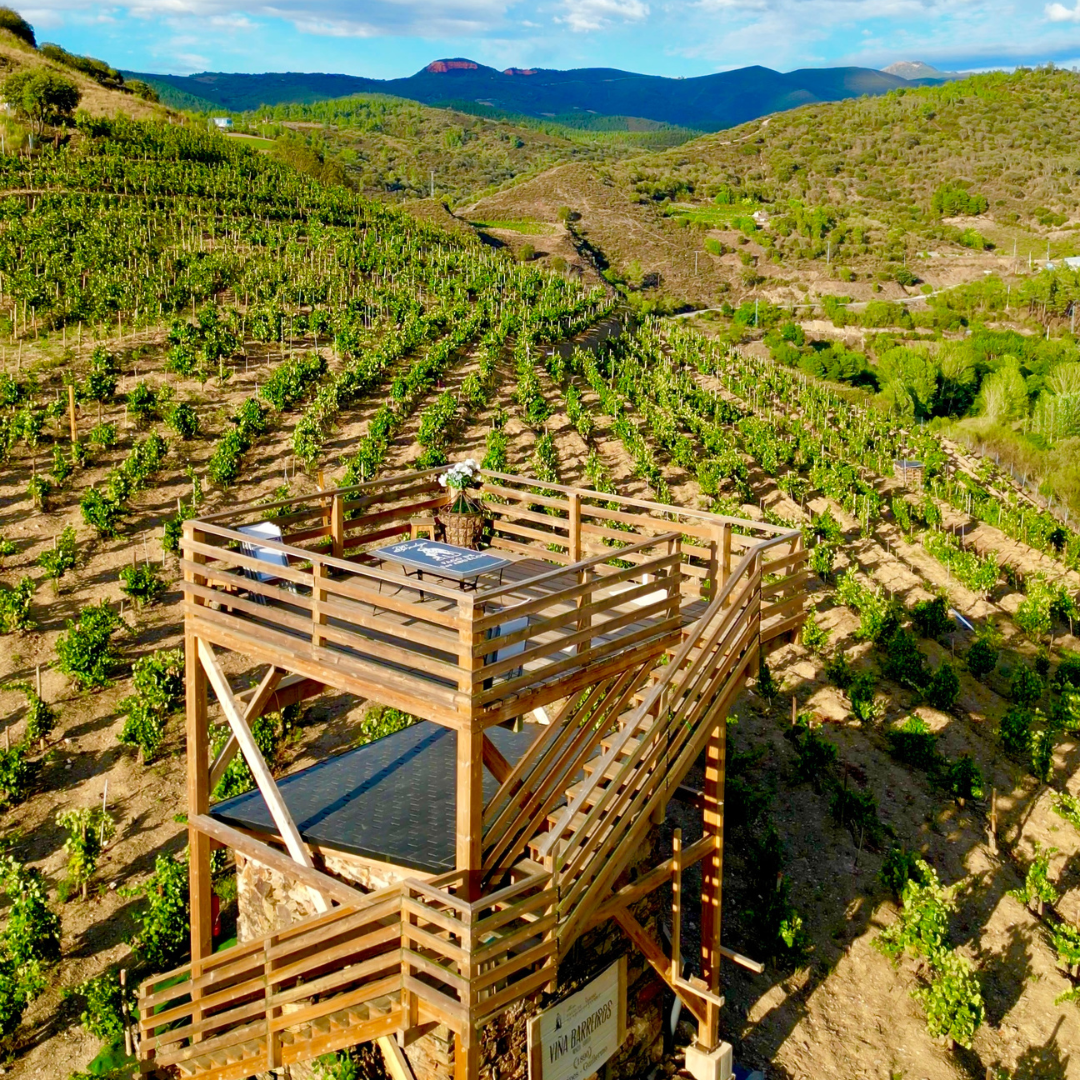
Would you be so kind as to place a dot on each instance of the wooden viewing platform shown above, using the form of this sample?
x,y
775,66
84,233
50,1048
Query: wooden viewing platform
x,y
614,644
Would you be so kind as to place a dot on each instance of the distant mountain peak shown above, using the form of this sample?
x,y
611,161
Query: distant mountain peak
x,y
917,69
458,63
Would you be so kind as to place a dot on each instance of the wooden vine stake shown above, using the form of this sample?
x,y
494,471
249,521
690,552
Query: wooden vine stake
x,y
71,414
992,830
128,1048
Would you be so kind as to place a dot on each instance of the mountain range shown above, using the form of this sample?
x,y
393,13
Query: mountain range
x,y
705,103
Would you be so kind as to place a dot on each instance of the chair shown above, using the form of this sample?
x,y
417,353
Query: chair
x,y
516,649
265,530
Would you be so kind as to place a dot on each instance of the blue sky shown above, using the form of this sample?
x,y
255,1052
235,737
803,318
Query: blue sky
x,y
389,38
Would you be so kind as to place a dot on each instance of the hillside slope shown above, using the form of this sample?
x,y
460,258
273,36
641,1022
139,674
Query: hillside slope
x,y
708,102
856,189
97,100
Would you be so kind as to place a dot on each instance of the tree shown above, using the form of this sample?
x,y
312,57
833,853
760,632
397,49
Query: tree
x,y
14,23
41,97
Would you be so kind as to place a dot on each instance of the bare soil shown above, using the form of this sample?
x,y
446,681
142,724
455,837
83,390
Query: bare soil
x,y
848,1012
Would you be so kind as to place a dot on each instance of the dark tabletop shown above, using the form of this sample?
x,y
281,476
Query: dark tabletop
x,y
443,560
391,800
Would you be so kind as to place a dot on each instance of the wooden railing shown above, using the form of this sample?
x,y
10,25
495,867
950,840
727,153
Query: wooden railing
x,y
411,954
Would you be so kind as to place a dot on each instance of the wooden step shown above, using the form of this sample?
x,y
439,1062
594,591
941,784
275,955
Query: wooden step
x,y
254,1051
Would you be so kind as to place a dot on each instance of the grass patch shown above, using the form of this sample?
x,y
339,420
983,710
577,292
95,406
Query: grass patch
x,y
526,228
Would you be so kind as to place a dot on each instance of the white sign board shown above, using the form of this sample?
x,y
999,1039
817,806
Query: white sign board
x,y
573,1039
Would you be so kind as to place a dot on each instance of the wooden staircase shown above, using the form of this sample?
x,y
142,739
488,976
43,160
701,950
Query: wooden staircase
x,y
564,824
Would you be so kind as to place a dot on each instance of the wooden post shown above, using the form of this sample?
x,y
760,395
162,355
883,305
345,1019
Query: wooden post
x,y
71,414
337,527
128,1048
676,905
470,755
725,555
198,800
712,873
318,598
794,711
992,831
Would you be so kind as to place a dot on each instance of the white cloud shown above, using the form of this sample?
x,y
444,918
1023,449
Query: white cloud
x,y
1060,13
585,15
328,18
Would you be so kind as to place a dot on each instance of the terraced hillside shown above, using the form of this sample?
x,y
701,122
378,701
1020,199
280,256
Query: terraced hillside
x,y
232,329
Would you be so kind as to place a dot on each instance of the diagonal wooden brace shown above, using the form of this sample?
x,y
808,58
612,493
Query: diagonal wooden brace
x,y
650,948
265,781
263,693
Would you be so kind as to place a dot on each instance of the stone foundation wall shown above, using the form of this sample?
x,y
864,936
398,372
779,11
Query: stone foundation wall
x,y
267,901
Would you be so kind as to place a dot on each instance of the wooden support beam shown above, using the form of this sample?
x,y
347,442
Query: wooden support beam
x,y
198,800
494,762
259,769
712,875
276,860
254,709
651,950
397,1064
470,808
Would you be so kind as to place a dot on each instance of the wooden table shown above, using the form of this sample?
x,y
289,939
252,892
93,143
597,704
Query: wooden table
x,y
462,565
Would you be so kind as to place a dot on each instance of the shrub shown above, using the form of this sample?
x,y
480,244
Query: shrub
x,y
183,419
914,743
1068,807
822,556
40,717
161,937
924,916
32,934
838,670
1025,686
943,688
1042,755
100,382
904,663
86,652
864,704
88,831
981,657
159,691
815,755
898,866
964,778
1037,889
142,583
15,606
101,512
1015,731
39,489
104,1000
14,23
14,776
142,404
813,635
931,618
62,557
953,1001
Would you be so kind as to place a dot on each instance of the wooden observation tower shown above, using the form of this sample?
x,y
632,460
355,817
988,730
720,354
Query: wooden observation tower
x,y
448,869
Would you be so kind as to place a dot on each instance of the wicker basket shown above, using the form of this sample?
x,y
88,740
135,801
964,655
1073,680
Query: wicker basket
x,y
462,529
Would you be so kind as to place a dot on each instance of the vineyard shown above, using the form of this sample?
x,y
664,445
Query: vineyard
x,y
185,325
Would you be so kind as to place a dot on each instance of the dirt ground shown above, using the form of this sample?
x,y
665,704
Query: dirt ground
x,y
849,1012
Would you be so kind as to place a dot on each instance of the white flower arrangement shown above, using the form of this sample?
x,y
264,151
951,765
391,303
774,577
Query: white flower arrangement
x,y
461,475
457,478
